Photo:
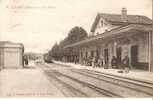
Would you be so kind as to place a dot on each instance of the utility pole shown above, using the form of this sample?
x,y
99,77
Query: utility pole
x,y
151,44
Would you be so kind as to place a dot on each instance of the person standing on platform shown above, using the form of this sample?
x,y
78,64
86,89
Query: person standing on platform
x,y
125,63
100,62
26,60
94,62
114,62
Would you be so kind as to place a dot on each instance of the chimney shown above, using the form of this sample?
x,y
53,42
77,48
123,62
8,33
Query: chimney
x,y
124,14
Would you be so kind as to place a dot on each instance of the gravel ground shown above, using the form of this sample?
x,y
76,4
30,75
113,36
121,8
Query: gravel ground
x,y
27,82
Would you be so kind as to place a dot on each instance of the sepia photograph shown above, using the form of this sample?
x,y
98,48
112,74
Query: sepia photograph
x,y
76,48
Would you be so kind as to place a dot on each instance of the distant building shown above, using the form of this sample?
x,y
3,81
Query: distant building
x,y
118,35
11,55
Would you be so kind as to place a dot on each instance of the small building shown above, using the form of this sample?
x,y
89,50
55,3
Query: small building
x,y
119,35
11,55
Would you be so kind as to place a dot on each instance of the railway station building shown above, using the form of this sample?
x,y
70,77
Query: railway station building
x,y
11,55
118,35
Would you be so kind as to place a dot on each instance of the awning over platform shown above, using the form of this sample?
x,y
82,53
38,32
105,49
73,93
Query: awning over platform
x,y
114,32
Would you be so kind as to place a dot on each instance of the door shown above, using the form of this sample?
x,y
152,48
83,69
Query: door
x,y
97,53
134,56
106,56
119,55
92,53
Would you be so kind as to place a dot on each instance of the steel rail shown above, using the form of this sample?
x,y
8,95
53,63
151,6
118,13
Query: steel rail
x,y
90,74
97,89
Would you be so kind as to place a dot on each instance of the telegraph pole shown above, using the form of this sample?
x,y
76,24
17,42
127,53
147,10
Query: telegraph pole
x,y
151,44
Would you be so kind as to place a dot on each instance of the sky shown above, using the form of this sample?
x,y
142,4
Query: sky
x,y
39,24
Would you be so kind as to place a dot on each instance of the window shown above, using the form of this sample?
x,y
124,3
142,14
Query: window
x,y
86,54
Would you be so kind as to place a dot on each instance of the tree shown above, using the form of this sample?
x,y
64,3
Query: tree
x,y
76,34
55,51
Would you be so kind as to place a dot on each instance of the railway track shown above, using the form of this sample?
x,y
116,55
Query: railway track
x,y
121,77
73,92
100,91
54,65
137,87
143,87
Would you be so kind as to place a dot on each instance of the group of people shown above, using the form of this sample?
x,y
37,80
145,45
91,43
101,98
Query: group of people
x,y
93,61
103,62
116,63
